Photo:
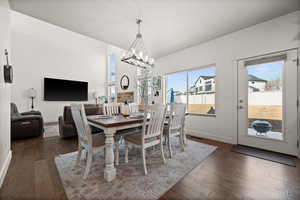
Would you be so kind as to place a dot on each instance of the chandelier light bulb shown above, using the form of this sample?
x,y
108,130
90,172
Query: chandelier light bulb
x,y
141,55
133,51
151,61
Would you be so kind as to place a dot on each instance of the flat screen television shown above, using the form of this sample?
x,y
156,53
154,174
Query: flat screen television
x,y
65,90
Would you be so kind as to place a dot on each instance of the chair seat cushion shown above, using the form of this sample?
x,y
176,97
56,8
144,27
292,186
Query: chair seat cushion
x,y
137,139
175,131
98,140
131,131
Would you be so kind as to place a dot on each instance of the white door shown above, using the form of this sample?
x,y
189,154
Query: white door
x,y
267,102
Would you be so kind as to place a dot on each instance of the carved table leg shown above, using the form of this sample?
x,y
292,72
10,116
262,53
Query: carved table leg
x,y
110,170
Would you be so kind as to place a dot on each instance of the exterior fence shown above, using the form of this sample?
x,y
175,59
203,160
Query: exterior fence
x,y
261,105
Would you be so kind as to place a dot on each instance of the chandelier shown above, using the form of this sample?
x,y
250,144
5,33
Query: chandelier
x,y
137,54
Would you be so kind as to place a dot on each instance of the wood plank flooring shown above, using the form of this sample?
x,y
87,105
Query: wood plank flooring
x,y
223,175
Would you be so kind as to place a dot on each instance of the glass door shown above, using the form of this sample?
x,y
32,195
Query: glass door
x,y
267,102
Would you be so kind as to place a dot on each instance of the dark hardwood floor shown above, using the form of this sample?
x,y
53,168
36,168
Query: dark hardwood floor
x,y
223,175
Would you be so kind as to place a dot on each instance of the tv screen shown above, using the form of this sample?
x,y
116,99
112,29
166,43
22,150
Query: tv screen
x,y
65,90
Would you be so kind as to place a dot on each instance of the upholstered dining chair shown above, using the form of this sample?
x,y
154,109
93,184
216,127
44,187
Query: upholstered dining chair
x,y
175,126
151,134
111,109
114,109
86,140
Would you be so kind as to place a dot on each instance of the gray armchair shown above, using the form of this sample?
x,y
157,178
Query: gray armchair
x,y
25,125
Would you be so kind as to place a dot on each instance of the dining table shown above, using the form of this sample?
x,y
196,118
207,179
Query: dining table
x,y
110,126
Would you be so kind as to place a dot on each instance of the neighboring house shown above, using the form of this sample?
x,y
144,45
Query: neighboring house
x,y
207,84
204,84
256,84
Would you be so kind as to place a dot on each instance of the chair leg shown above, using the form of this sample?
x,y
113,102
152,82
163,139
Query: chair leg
x,y
181,138
162,151
85,155
79,155
144,161
126,151
169,146
88,164
117,151
184,137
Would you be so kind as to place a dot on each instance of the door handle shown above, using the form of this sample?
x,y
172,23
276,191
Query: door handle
x,y
240,107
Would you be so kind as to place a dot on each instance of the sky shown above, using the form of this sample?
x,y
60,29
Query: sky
x,y
267,71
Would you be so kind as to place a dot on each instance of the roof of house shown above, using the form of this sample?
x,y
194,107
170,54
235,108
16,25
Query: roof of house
x,y
204,77
255,78
250,78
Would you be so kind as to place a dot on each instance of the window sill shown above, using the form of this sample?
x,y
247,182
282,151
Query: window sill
x,y
203,115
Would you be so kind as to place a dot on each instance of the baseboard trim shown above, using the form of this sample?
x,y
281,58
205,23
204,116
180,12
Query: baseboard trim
x,y
4,168
205,135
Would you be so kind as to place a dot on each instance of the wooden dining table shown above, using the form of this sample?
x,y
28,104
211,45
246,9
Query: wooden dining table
x,y
110,126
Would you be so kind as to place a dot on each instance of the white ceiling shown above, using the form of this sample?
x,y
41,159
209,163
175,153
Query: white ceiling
x,y
168,25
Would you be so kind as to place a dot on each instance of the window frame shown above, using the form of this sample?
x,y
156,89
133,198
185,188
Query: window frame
x,y
187,87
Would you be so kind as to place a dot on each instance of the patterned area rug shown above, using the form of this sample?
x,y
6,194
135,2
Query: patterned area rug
x,y
131,183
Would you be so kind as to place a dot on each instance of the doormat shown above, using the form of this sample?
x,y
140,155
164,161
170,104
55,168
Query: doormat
x,y
266,155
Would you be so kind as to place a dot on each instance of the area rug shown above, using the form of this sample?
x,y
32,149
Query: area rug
x,y
130,183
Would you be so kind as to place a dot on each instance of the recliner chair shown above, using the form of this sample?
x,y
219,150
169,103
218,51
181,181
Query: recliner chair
x,y
66,123
26,124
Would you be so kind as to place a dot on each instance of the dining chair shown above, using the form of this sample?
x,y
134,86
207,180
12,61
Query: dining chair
x,y
133,108
151,133
111,109
114,109
175,126
86,140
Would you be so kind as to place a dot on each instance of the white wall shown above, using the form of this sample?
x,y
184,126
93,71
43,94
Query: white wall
x,y
43,50
275,35
5,153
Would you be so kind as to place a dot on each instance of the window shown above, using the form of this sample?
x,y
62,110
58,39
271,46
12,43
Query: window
x,y
194,87
176,87
112,77
208,87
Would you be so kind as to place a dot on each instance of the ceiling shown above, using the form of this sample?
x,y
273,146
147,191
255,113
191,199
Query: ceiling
x,y
168,25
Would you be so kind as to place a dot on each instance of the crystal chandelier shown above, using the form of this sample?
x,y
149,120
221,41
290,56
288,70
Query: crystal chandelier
x,y
137,54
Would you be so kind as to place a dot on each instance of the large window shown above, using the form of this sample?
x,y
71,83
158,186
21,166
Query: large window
x,y
112,77
194,87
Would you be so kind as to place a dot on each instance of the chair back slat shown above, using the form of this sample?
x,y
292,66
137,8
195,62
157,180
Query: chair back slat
x,y
111,109
177,116
133,108
154,127
82,126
